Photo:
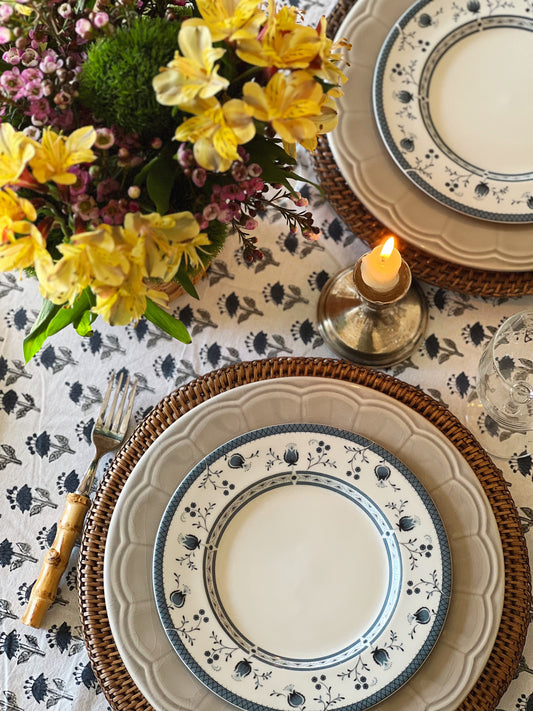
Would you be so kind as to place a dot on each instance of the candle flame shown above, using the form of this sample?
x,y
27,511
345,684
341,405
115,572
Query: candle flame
x,y
387,248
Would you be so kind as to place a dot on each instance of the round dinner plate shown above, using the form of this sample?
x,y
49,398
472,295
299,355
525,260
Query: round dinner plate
x,y
381,185
301,562
451,107
471,626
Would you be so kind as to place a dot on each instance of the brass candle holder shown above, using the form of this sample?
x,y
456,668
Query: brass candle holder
x,y
368,326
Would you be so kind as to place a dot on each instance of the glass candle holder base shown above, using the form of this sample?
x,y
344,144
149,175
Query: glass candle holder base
x,y
368,327
496,440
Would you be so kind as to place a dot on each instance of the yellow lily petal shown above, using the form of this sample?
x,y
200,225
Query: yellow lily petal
x,y
230,19
16,149
193,73
57,153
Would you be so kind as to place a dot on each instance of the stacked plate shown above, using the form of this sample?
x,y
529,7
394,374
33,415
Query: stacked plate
x,y
433,135
263,554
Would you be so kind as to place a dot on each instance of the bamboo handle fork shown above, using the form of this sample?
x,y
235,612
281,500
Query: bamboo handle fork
x,y
108,433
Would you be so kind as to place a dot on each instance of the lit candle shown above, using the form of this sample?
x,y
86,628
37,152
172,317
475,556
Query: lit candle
x,y
380,267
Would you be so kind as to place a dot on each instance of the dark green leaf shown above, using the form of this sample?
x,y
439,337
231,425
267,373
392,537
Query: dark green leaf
x,y
37,336
160,181
265,152
72,314
186,282
173,326
141,175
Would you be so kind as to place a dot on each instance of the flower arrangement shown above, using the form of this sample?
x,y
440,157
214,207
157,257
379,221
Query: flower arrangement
x,y
137,135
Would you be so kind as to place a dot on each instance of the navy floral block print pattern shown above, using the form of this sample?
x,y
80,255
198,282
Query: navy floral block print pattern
x,y
47,411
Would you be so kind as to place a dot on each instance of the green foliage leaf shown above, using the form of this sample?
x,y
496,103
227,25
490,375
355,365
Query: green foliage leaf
x,y
173,326
84,325
37,336
185,280
160,181
265,152
73,314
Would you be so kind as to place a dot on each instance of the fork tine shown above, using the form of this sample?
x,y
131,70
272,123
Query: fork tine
x,y
109,414
118,414
100,419
127,416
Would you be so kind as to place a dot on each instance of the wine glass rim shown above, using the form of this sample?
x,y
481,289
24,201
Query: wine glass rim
x,y
501,328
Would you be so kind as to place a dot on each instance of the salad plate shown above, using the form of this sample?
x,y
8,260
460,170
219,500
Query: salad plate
x,y
375,178
286,565
467,637
451,108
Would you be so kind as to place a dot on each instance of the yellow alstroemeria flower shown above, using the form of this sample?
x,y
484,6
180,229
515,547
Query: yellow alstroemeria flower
x,y
89,257
56,154
167,239
16,215
24,252
325,63
16,150
23,9
192,74
290,104
229,19
216,131
21,243
125,303
324,122
285,43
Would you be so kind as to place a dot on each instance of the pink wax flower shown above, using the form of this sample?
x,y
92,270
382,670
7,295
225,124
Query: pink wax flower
x,y
106,187
211,211
12,56
83,28
113,213
5,12
199,176
239,171
31,74
82,181
254,170
39,110
32,132
105,138
232,192
185,156
5,35
85,208
11,81
50,62
65,10
255,185
34,89
29,57
100,20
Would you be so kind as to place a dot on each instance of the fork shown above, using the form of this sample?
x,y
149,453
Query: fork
x,y
108,432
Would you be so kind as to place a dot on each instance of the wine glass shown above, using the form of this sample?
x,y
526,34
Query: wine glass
x,y
500,414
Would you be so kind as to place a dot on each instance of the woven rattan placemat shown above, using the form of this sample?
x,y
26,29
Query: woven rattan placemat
x,y
120,689
364,225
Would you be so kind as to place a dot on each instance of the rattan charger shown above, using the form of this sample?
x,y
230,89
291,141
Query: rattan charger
x,y
364,225
118,686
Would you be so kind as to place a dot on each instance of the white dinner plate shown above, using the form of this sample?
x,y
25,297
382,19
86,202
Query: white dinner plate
x,y
468,635
288,562
381,185
450,104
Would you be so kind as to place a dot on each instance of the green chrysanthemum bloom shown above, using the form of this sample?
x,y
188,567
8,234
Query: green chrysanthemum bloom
x,y
116,79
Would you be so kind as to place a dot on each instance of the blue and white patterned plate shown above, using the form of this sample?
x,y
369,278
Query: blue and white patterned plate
x,y
451,104
289,569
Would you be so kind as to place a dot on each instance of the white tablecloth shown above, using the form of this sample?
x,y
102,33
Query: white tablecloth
x,y
48,406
